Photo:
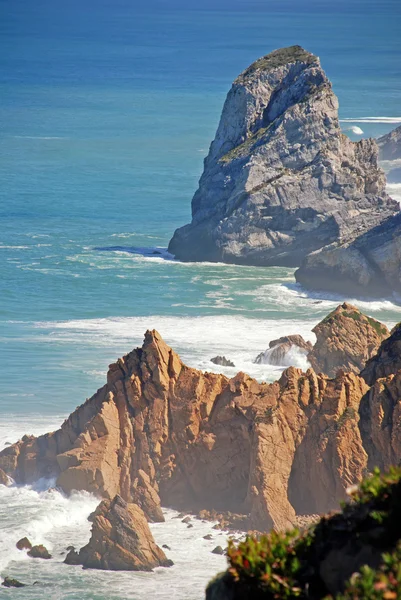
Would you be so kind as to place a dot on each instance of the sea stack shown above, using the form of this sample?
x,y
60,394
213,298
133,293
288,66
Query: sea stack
x,y
281,180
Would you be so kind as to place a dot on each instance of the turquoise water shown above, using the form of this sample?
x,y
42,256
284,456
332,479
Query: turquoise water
x,y
107,111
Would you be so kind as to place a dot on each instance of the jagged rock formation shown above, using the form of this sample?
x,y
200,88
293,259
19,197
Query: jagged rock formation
x,y
222,361
345,340
390,145
387,360
162,432
278,350
281,180
121,540
370,264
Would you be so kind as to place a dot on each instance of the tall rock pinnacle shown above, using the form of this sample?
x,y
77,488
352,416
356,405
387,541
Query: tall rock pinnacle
x,y
281,180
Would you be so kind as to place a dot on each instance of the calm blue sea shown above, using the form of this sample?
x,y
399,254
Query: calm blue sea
x,y
107,109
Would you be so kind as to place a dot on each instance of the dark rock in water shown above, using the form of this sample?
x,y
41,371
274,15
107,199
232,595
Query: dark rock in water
x,y
208,536
72,557
69,548
390,145
218,550
189,526
186,520
39,551
166,547
10,582
279,349
121,540
24,544
281,180
222,361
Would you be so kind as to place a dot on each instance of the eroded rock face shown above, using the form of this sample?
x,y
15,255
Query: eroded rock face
x,y
387,360
121,540
278,351
281,180
345,340
367,265
160,433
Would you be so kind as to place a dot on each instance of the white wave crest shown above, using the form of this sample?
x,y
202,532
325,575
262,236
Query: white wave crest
x,y
45,516
388,120
295,357
355,129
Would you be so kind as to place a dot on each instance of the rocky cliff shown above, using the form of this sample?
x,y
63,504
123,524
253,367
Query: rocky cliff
x,y
370,264
160,432
281,180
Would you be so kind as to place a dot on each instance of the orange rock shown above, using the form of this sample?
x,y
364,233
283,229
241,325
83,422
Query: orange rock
x,y
163,433
345,340
121,540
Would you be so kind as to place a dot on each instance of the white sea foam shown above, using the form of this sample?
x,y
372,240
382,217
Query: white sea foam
x,y
389,120
198,339
394,190
43,515
13,427
39,137
355,129
49,517
295,357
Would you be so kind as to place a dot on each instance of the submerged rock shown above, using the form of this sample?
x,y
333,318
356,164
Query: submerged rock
x,y
277,353
39,551
218,550
281,180
121,540
222,361
10,582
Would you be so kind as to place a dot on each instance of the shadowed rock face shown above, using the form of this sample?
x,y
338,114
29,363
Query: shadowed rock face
x,y
368,265
387,360
281,180
121,540
162,432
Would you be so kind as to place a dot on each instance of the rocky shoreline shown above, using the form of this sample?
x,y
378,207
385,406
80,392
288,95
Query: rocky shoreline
x,y
253,456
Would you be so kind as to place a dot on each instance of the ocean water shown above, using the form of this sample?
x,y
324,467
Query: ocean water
x,y
107,111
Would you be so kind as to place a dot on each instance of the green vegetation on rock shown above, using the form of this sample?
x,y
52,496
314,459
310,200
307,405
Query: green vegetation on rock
x,y
352,555
276,59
